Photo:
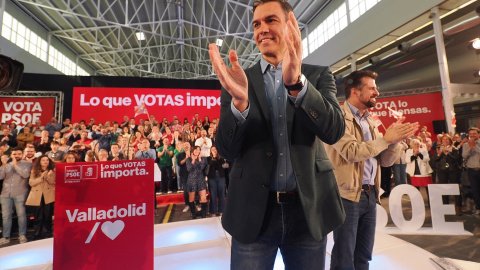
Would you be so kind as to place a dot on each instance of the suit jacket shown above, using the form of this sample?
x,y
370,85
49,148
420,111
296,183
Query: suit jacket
x,y
318,118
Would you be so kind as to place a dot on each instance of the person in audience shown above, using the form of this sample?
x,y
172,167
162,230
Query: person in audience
x,y
13,129
125,123
43,144
42,196
137,140
52,126
417,159
30,154
71,157
55,155
205,143
115,153
5,149
25,137
57,135
195,119
165,154
178,149
102,155
103,138
176,126
84,141
425,140
91,124
196,181
90,156
144,151
400,165
37,130
168,134
471,154
216,182
424,130
447,161
8,137
206,122
80,150
15,176
186,132
63,145
183,173
130,152
132,126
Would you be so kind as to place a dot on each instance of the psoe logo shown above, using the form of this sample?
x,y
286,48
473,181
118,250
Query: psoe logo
x,y
73,173
90,171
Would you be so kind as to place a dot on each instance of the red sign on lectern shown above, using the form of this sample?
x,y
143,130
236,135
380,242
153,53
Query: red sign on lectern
x,y
104,215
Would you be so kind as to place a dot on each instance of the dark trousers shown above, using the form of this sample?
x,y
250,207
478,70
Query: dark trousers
x,y
284,227
167,181
42,223
386,179
474,177
449,177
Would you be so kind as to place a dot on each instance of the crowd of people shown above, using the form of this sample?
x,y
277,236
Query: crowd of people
x,y
184,152
448,160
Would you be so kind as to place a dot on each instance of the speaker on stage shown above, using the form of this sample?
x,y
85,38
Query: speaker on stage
x,y
11,72
439,126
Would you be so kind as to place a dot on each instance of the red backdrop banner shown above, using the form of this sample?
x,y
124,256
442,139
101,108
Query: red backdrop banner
x,y
111,104
423,109
22,110
104,215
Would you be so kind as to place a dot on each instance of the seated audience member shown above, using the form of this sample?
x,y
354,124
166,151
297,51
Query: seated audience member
x,y
43,144
115,152
71,157
42,196
15,176
102,155
144,151
25,137
55,154
7,137
30,154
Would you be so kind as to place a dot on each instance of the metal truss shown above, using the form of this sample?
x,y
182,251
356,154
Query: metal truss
x,y
57,95
406,92
177,33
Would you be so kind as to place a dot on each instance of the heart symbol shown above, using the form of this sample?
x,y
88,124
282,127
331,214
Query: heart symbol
x,y
112,229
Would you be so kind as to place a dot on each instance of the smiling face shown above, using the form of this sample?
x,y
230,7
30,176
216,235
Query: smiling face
x,y
269,23
368,93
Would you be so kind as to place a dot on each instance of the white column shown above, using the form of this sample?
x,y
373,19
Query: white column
x,y
443,66
353,62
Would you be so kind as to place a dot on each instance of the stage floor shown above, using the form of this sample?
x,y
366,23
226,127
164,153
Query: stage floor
x,y
203,244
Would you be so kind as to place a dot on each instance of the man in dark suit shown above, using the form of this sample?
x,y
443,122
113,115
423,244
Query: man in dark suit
x,y
274,117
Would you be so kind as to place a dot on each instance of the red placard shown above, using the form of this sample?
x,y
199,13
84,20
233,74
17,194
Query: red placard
x,y
111,104
104,215
423,108
22,110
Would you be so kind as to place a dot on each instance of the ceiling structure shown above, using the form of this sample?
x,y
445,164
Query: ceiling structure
x,y
177,33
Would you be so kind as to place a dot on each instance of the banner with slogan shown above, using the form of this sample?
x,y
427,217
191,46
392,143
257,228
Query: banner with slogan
x,y
22,110
112,104
104,215
423,108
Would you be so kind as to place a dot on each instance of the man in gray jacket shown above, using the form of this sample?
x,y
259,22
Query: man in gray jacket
x,y
15,191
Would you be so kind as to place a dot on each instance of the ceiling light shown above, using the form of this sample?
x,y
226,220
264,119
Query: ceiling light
x,y
140,36
96,47
219,42
476,44
476,74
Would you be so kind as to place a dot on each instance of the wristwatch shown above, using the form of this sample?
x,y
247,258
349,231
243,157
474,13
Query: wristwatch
x,y
298,86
